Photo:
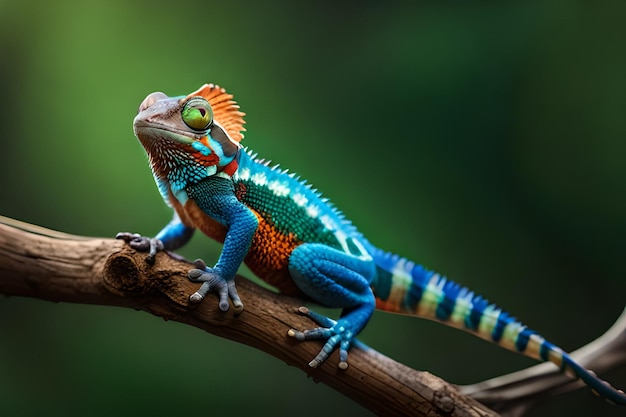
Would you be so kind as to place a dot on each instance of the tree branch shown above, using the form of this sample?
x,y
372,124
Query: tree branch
x,y
40,263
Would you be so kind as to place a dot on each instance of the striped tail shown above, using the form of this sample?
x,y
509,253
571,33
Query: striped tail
x,y
403,287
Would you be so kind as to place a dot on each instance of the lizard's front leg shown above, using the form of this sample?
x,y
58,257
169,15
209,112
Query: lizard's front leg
x,y
215,197
335,279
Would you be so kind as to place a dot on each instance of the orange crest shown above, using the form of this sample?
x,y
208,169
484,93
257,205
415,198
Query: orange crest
x,y
225,110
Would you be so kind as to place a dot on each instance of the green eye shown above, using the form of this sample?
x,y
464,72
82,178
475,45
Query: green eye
x,y
197,114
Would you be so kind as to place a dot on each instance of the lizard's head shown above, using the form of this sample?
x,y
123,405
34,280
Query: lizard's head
x,y
202,129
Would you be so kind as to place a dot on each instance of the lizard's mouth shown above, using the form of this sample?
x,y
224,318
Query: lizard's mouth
x,y
147,130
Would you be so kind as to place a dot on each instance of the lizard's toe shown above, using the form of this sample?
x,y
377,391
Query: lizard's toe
x,y
337,334
212,281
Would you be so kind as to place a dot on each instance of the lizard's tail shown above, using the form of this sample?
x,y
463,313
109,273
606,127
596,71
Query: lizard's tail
x,y
403,287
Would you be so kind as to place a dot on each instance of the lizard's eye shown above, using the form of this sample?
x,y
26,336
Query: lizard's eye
x,y
197,114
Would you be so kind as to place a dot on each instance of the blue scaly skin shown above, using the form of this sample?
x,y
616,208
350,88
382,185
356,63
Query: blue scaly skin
x,y
295,240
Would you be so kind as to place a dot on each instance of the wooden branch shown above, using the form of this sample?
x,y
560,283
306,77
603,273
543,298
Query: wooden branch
x,y
40,263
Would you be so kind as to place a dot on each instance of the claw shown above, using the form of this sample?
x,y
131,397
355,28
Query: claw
x,y
234,297
336,334
142,244
212,281
195,275
343,355
317,318
127,236
155,246
199,264
196,297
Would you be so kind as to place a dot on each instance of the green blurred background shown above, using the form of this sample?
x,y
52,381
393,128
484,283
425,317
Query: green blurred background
x,y
483,140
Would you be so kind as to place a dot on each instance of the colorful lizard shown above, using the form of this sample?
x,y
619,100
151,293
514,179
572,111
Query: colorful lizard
x,y
296,240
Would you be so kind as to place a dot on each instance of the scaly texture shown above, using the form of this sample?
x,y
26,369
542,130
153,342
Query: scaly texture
x,y
296,240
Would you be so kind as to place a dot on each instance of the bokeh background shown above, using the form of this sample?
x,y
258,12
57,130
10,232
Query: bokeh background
x,y
484,140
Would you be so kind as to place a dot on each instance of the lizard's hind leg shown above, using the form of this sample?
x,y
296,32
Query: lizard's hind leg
x,y
334,279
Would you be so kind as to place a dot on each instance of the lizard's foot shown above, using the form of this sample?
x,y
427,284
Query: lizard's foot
x,y
336,333
142,244
212,280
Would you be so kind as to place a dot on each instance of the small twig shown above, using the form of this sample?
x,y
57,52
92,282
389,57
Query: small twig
x,y
514,394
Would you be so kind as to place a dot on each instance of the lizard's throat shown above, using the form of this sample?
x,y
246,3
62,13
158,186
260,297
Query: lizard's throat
x,y
169,162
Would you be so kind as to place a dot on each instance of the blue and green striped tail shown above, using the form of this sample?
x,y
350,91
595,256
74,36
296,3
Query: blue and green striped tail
x,y
404,287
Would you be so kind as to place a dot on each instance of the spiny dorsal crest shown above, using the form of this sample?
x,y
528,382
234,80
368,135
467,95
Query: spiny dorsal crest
x,y
225,110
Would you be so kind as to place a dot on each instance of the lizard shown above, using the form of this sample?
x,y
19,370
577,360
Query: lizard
x,y
296,240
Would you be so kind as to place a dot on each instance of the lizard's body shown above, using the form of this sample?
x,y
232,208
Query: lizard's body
x,y
296,240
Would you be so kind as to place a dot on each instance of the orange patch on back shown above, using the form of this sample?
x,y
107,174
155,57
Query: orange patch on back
x,y
269,257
